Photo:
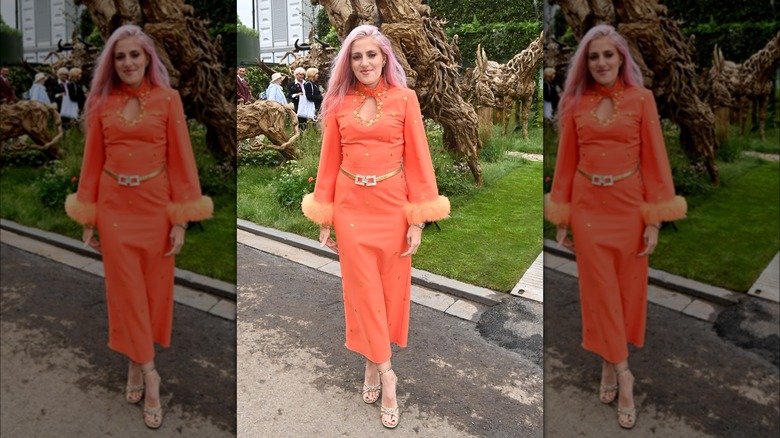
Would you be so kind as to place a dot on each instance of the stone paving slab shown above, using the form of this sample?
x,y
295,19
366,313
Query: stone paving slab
x,y
283,250
669,299
195,299
768,284
553,261
224,309
44,249
428,298
333,268
531,285
466,310
703,310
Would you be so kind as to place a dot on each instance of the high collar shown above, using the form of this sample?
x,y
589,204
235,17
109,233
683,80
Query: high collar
x,y
379,90
611,92
142,89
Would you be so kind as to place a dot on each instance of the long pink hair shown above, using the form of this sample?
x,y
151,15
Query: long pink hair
x,y
105,77
579,79
341,76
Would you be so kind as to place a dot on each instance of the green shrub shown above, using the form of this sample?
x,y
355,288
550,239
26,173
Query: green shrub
x,y
292,183
264,157
56,183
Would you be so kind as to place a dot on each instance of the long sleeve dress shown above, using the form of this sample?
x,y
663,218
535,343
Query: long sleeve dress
x,y
134,221
371,221
608,222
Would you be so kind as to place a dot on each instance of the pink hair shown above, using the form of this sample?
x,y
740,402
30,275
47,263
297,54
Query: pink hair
x,y
105,78
579,79
341,76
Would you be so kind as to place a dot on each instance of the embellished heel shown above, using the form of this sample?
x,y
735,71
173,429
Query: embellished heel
x,y
153,417
394,413
626,416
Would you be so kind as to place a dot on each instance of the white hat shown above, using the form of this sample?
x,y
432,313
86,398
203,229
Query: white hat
x,y
39,76
276,76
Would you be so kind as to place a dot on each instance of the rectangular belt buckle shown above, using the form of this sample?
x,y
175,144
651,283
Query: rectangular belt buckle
x,y
129,180
602,180
365,180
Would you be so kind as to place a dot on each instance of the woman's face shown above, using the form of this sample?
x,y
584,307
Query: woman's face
x,y
130,61
367,60
299,76
604,61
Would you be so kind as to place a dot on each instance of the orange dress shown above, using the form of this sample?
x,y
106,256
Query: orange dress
x,y
371,221
608,222
134,221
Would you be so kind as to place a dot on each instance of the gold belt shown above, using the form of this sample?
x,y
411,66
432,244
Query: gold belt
x,y
132,180
370,180
607,180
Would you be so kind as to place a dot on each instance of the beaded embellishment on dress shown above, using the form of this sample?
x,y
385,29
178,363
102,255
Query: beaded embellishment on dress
x,y
364,93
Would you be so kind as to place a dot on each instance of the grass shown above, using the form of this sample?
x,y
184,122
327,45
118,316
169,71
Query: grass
x,y
493,235
728,240
21,201
731,232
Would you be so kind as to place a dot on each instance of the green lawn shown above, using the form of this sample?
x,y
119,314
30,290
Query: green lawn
x,y
493,238
728,240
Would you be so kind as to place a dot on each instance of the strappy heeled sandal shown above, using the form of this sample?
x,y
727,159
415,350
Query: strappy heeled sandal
x,y
368,389
392,412
608,393
134,393
626,416
153,417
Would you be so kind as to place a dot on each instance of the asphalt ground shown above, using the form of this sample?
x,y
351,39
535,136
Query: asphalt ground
x,y
694,378
59,378
456,378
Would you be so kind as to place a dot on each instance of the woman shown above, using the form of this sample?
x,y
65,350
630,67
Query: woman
x,y
310,88
139,186
376,187
550,94
613,186
69,108
38,90
75,90
274,90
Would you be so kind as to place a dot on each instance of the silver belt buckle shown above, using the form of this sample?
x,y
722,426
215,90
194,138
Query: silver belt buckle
x,y
129,180
602,180
365,180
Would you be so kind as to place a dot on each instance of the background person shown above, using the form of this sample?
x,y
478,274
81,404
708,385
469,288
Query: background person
x,y
38,90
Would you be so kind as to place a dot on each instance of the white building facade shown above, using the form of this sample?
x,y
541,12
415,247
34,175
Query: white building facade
x,y
43,24
280,23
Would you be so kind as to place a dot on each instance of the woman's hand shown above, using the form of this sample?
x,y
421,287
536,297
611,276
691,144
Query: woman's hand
x,y
177,240
413,238
651,239
562,237
326,240
89,239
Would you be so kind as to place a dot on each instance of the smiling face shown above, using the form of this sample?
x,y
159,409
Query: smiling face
x,y
604,61
367,60
299,76
130,61
241,72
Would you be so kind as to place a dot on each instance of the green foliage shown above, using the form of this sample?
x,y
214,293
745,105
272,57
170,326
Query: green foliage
x,y
258,80
221,19
292,183
264,157
738,41
56,183
501,41
244,30
458,12
5,29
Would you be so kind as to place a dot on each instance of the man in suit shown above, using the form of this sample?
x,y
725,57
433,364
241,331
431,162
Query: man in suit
x,y
7,94
242,87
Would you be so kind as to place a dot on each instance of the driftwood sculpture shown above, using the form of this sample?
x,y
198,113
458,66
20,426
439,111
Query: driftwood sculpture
x,y
719,85
34,119
754,84
320,56
430,61
268,118
666,60
193,61
518,81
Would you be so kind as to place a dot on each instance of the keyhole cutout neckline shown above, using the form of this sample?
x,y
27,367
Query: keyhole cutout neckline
x,y
132,112
369,109
607,105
